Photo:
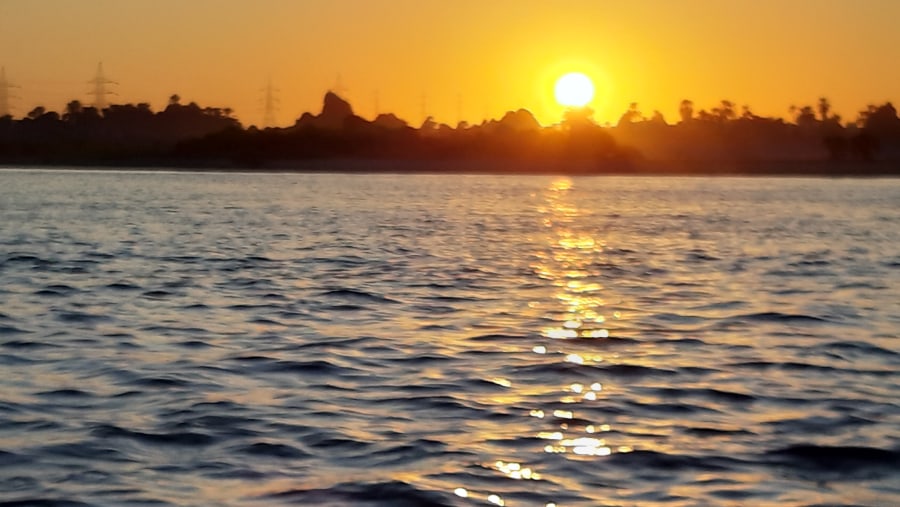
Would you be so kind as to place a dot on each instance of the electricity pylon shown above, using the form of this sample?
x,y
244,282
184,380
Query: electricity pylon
x,y
270,105
100,92
5,86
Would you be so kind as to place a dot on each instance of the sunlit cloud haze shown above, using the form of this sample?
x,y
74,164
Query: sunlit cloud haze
x,y
462,60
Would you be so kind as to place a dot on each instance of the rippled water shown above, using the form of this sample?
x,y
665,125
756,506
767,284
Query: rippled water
x,y
229,339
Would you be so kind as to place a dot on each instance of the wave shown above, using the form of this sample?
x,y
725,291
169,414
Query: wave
x,y
158,294
270,450
43,502
314,367
87,451
12,330
364,494
851,460
858,347
640,459
56,291
81,317
497,337
708,393
160,382
123,286
706,432
778,318
634,370
13,459
177,438
65,393
359,295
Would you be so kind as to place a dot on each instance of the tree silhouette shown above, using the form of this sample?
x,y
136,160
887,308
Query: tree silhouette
x,y
805,117
824,107
686,110
631,115
37,112
73,109
580,118
747,113
881,119
725,111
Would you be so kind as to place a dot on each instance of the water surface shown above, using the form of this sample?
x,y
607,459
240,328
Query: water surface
x,y
235,339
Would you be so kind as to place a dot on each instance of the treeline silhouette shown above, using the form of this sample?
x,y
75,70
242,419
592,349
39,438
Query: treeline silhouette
x,y
119,134
721,140
870,144
516,142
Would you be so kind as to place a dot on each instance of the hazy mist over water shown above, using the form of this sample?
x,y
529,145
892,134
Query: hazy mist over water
x,y
378,340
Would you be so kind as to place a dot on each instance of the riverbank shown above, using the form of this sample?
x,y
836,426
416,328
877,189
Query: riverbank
x,y
454,166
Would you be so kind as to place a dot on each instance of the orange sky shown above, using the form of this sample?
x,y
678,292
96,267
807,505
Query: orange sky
x,y
468,59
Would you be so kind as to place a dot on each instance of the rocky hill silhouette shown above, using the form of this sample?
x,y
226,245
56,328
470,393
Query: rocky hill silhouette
x,y
336,112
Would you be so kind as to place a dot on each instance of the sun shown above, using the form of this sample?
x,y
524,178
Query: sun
x,y
574,90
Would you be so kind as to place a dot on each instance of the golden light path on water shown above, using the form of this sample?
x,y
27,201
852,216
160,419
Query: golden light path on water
x,y
571,268
567,260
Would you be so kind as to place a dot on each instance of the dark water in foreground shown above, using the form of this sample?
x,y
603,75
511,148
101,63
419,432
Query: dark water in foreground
x,y
226,339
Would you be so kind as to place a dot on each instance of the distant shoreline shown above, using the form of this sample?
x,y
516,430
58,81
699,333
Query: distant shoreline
x,y
193,138
786,168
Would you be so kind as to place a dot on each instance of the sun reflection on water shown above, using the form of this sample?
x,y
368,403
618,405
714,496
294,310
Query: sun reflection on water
x,y
570,266
567,263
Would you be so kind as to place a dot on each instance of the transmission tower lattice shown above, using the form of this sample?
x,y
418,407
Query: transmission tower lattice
x,y
270,105
100,92
5,86
339,89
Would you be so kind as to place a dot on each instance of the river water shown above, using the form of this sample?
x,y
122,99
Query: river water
x,y
376,340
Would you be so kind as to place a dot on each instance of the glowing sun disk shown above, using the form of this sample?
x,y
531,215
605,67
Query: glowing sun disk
x,y
574,90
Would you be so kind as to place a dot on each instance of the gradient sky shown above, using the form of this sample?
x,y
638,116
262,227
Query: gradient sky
x,y
468,59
